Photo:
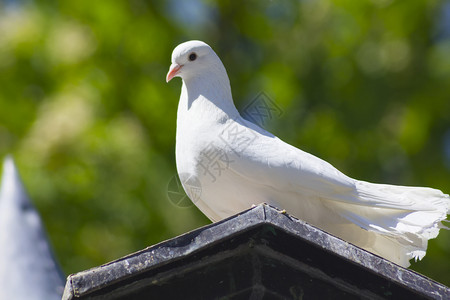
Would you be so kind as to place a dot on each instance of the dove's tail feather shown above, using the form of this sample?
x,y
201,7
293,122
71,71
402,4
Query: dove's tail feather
x,y
398,232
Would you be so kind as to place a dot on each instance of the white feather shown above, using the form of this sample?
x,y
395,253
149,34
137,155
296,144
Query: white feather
x,y
238,164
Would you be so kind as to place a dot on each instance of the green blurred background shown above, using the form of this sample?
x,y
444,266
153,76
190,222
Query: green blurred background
x,y
90,120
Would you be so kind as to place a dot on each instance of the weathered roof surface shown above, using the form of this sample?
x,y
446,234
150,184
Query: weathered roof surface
x,y
28,269
260,253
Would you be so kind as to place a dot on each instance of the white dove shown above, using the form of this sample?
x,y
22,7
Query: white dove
x,y
226,164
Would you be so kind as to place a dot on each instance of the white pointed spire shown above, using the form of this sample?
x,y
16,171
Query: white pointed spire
x,y
28,269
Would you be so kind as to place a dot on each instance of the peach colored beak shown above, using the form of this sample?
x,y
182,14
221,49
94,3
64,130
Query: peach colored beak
x,y
173,71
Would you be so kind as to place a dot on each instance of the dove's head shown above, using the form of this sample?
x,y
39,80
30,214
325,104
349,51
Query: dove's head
x,y
193,58
202,73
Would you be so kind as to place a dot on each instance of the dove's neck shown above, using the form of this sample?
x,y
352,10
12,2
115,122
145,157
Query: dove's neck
x,y
208,94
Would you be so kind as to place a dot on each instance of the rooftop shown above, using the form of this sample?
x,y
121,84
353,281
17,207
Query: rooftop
x,y
260,253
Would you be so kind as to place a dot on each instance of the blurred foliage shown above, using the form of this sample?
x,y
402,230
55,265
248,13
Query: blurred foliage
x,y
85,109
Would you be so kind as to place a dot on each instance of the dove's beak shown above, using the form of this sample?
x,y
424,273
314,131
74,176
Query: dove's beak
x,y
173,71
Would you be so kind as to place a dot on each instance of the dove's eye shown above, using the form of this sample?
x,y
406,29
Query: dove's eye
x,y
192,56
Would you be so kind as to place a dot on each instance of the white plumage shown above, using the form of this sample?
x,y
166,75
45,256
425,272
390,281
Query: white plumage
x,y
227,164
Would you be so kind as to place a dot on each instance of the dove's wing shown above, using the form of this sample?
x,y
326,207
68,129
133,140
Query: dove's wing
x,y
269,161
